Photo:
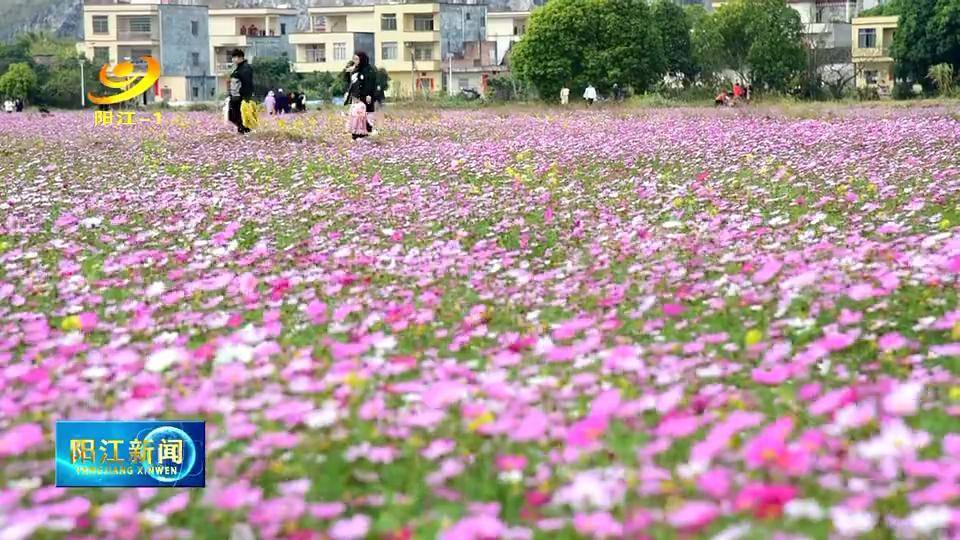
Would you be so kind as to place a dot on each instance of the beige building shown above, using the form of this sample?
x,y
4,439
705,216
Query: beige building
x,y
409,40
255,31
335,35
174,32
505,28
872,37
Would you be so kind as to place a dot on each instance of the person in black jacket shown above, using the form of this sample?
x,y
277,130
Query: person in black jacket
x,y
241,89
362,79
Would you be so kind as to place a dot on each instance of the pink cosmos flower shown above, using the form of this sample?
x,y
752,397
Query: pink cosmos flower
x,y
352,528
511,462
587,431
21,439
693,516
316,311
765,501
598,525
903,399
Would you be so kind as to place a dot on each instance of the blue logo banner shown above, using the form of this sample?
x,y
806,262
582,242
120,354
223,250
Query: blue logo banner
x,y
131,454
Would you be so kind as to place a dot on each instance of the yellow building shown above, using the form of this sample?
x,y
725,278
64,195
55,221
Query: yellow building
x,y
409,40
872,37
174,32
255,31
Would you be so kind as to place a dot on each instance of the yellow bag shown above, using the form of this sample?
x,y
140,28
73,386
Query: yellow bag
x,y
249,114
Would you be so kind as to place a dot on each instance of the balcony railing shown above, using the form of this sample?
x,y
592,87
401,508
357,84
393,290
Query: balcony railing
x,y
224,67
128,35
871,52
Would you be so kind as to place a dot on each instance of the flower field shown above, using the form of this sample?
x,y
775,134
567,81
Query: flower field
x,y
649,324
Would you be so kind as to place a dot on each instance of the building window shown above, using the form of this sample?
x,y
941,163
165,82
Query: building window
x,y
468,16
283,29
316,53
196,92
340,51
867,38
388,21
423,23
140,25
389,50
101,55
101,24
319,24
195,58
423,52
871,77
195,28
463,83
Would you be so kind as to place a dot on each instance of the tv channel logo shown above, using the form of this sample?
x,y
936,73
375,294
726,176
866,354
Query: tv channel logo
x,y
130,453
126,80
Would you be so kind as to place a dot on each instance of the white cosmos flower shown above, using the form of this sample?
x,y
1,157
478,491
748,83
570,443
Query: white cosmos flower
x,y
162,359
929,519
852,523
156,289
230,352
804,509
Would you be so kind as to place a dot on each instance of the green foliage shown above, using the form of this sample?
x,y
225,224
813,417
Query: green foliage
x,y
674,27
19,81
12,53
928,33
942,75
601,42
506,87
61,86
890,8
903,90
322,85
760,40
271,73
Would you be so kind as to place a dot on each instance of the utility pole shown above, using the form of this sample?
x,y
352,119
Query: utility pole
x,y
450,73
83,91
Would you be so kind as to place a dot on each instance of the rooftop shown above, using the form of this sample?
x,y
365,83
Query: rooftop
x,y
144,2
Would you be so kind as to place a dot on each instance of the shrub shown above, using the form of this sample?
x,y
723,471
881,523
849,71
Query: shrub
x,y
903,90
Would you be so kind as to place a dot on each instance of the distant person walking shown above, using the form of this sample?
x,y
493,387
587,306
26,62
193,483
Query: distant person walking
x,y
590,94
361,94
270,102
281,104
241,89
18,105
8,106
564,95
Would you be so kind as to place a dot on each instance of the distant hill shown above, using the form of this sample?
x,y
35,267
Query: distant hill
x,y
65,17
61,17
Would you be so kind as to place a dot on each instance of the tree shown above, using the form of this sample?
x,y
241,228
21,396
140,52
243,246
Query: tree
x,y
61,87
760,40
916,43
19,81
12,53
674,27
576,42
270,73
